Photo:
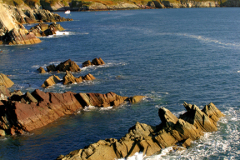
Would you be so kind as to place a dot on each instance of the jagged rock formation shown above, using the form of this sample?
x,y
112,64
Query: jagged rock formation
x,y
12,32
70,65
43,29
25,15
24,113
151,139
95,61
67,65
69,78
50,81
5,81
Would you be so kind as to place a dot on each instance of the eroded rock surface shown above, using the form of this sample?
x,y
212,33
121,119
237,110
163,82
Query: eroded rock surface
x,y
151,139
24,113
67,65
5,81
69,78
43,29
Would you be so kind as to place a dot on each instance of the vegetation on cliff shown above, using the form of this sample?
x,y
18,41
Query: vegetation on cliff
x,y
106,4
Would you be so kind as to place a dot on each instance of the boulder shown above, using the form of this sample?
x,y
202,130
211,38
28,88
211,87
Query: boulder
x,y
69,78
136,99
95,61
51,81
88,77
41,70
151,139
68,65
98,61
5,81
87,63
43,29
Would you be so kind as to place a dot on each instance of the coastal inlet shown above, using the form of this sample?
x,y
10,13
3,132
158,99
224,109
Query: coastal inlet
x,y
168,55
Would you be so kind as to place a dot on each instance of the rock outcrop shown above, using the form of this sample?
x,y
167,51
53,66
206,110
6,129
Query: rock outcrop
x,y
24,113
43,29
151,139
95,61
5,81
50,81
69,78
13,32
67,65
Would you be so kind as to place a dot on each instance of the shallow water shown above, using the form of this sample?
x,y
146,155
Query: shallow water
x,y
168,55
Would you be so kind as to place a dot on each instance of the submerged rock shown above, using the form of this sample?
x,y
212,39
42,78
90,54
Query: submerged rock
x,y
24,113
151,139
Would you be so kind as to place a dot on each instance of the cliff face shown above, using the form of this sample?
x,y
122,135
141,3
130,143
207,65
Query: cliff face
x,y
11,31
111,5
11,19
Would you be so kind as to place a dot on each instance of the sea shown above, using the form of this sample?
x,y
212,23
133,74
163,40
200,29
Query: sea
x,y
171,56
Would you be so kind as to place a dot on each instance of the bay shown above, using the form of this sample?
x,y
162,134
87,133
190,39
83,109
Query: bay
x,y
168,55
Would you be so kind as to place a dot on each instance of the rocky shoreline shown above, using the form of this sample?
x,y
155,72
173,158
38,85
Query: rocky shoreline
x,y
12,31
150,140
22,113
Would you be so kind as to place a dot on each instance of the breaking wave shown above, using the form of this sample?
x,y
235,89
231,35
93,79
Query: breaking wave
x,y
222,144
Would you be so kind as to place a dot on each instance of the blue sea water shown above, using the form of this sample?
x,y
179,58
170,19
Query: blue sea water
x,y
168,55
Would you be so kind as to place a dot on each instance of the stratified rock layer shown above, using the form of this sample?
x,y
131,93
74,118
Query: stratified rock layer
x,y
149,139
69,78
24,113
5,81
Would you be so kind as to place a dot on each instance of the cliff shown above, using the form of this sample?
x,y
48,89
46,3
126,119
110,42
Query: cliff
x,y
11,19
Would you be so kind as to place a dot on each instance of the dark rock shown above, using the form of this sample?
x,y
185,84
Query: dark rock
x,y
51,68
41,70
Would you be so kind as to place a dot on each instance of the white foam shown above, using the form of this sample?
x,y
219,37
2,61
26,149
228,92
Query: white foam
x,y
89,108
223,144
106,108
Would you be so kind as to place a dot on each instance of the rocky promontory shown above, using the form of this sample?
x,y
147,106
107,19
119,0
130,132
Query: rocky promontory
x,y
20,113
12,18
151,140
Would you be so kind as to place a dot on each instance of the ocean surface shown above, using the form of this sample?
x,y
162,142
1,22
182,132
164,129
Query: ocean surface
x,y
168,55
